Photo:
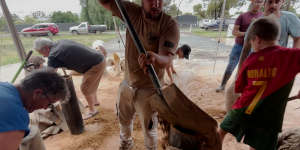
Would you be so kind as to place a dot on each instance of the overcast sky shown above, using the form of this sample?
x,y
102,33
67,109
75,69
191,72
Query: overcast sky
x,y
26,7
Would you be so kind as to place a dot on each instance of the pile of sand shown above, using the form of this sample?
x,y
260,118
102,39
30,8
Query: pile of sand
x,y
197,82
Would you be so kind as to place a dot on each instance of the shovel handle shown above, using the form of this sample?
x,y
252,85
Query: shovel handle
x,y
138,44
22,66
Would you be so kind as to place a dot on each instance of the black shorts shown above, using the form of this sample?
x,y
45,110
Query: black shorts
x,y
258,138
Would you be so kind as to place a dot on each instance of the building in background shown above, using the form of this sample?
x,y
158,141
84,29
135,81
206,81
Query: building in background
x,y
187,20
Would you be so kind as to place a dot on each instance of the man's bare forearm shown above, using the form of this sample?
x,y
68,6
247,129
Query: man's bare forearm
x,y
296,42
238,33
163,60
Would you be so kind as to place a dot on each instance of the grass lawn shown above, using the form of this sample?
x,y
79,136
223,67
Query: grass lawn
x,y
8,51
209,33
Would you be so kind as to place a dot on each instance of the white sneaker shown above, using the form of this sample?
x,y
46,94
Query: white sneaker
x,y
90,115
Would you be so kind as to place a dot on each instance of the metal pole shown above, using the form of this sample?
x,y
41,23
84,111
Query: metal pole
x,y
117,30
13,30
178,8
220,29
71,110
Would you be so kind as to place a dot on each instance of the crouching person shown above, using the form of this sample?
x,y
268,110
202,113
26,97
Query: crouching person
x,y
77,57
264,81
37,90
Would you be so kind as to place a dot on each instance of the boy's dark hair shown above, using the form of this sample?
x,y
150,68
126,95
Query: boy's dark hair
x,y
266,28
186,50
48,80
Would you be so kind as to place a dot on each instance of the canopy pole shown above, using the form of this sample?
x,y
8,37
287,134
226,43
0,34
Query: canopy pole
x,y
13,30
220,29
117,30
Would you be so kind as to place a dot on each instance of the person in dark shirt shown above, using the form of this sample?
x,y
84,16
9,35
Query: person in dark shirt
x,y
240,27
75,56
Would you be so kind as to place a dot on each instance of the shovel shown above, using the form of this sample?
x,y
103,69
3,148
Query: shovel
x,y
171,104
21,67
142,50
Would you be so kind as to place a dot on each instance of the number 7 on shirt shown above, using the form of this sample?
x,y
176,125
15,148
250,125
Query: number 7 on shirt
x,y
257,97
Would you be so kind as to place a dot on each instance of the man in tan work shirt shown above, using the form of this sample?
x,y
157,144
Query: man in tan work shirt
x,y
159,35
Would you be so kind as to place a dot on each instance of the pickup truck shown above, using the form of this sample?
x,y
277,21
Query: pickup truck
x,y
84,27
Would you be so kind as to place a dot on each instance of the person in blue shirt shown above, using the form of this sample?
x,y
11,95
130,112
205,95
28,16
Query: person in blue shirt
x,y
37,90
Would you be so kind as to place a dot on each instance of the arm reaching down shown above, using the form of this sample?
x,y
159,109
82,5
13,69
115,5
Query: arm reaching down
x,y
296,43
11,140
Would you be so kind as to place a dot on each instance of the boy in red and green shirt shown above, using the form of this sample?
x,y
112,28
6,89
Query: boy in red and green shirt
x,y
265,81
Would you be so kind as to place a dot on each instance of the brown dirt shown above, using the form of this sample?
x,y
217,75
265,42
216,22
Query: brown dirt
x,y
102,131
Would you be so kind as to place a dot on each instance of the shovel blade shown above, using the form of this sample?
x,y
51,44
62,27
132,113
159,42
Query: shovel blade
x,y
187,114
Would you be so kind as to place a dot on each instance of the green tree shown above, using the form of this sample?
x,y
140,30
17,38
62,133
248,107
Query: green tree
x,y
173,11
214,8
30,20
198,11
93,13
2,23
168,7
288,4
138,2
16,19
64,17
188,13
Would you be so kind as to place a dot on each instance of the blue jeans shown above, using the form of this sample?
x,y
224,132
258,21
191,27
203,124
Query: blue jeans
x,y
234,58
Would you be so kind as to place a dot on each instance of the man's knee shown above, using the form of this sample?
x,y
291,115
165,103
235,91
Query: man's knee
x,y
124,106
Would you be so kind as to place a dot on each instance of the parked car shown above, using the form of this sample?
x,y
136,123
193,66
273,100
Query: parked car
x,y
205,22
84,27
40,29
215,26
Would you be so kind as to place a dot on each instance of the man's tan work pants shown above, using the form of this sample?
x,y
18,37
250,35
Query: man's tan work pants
x,y
131,101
